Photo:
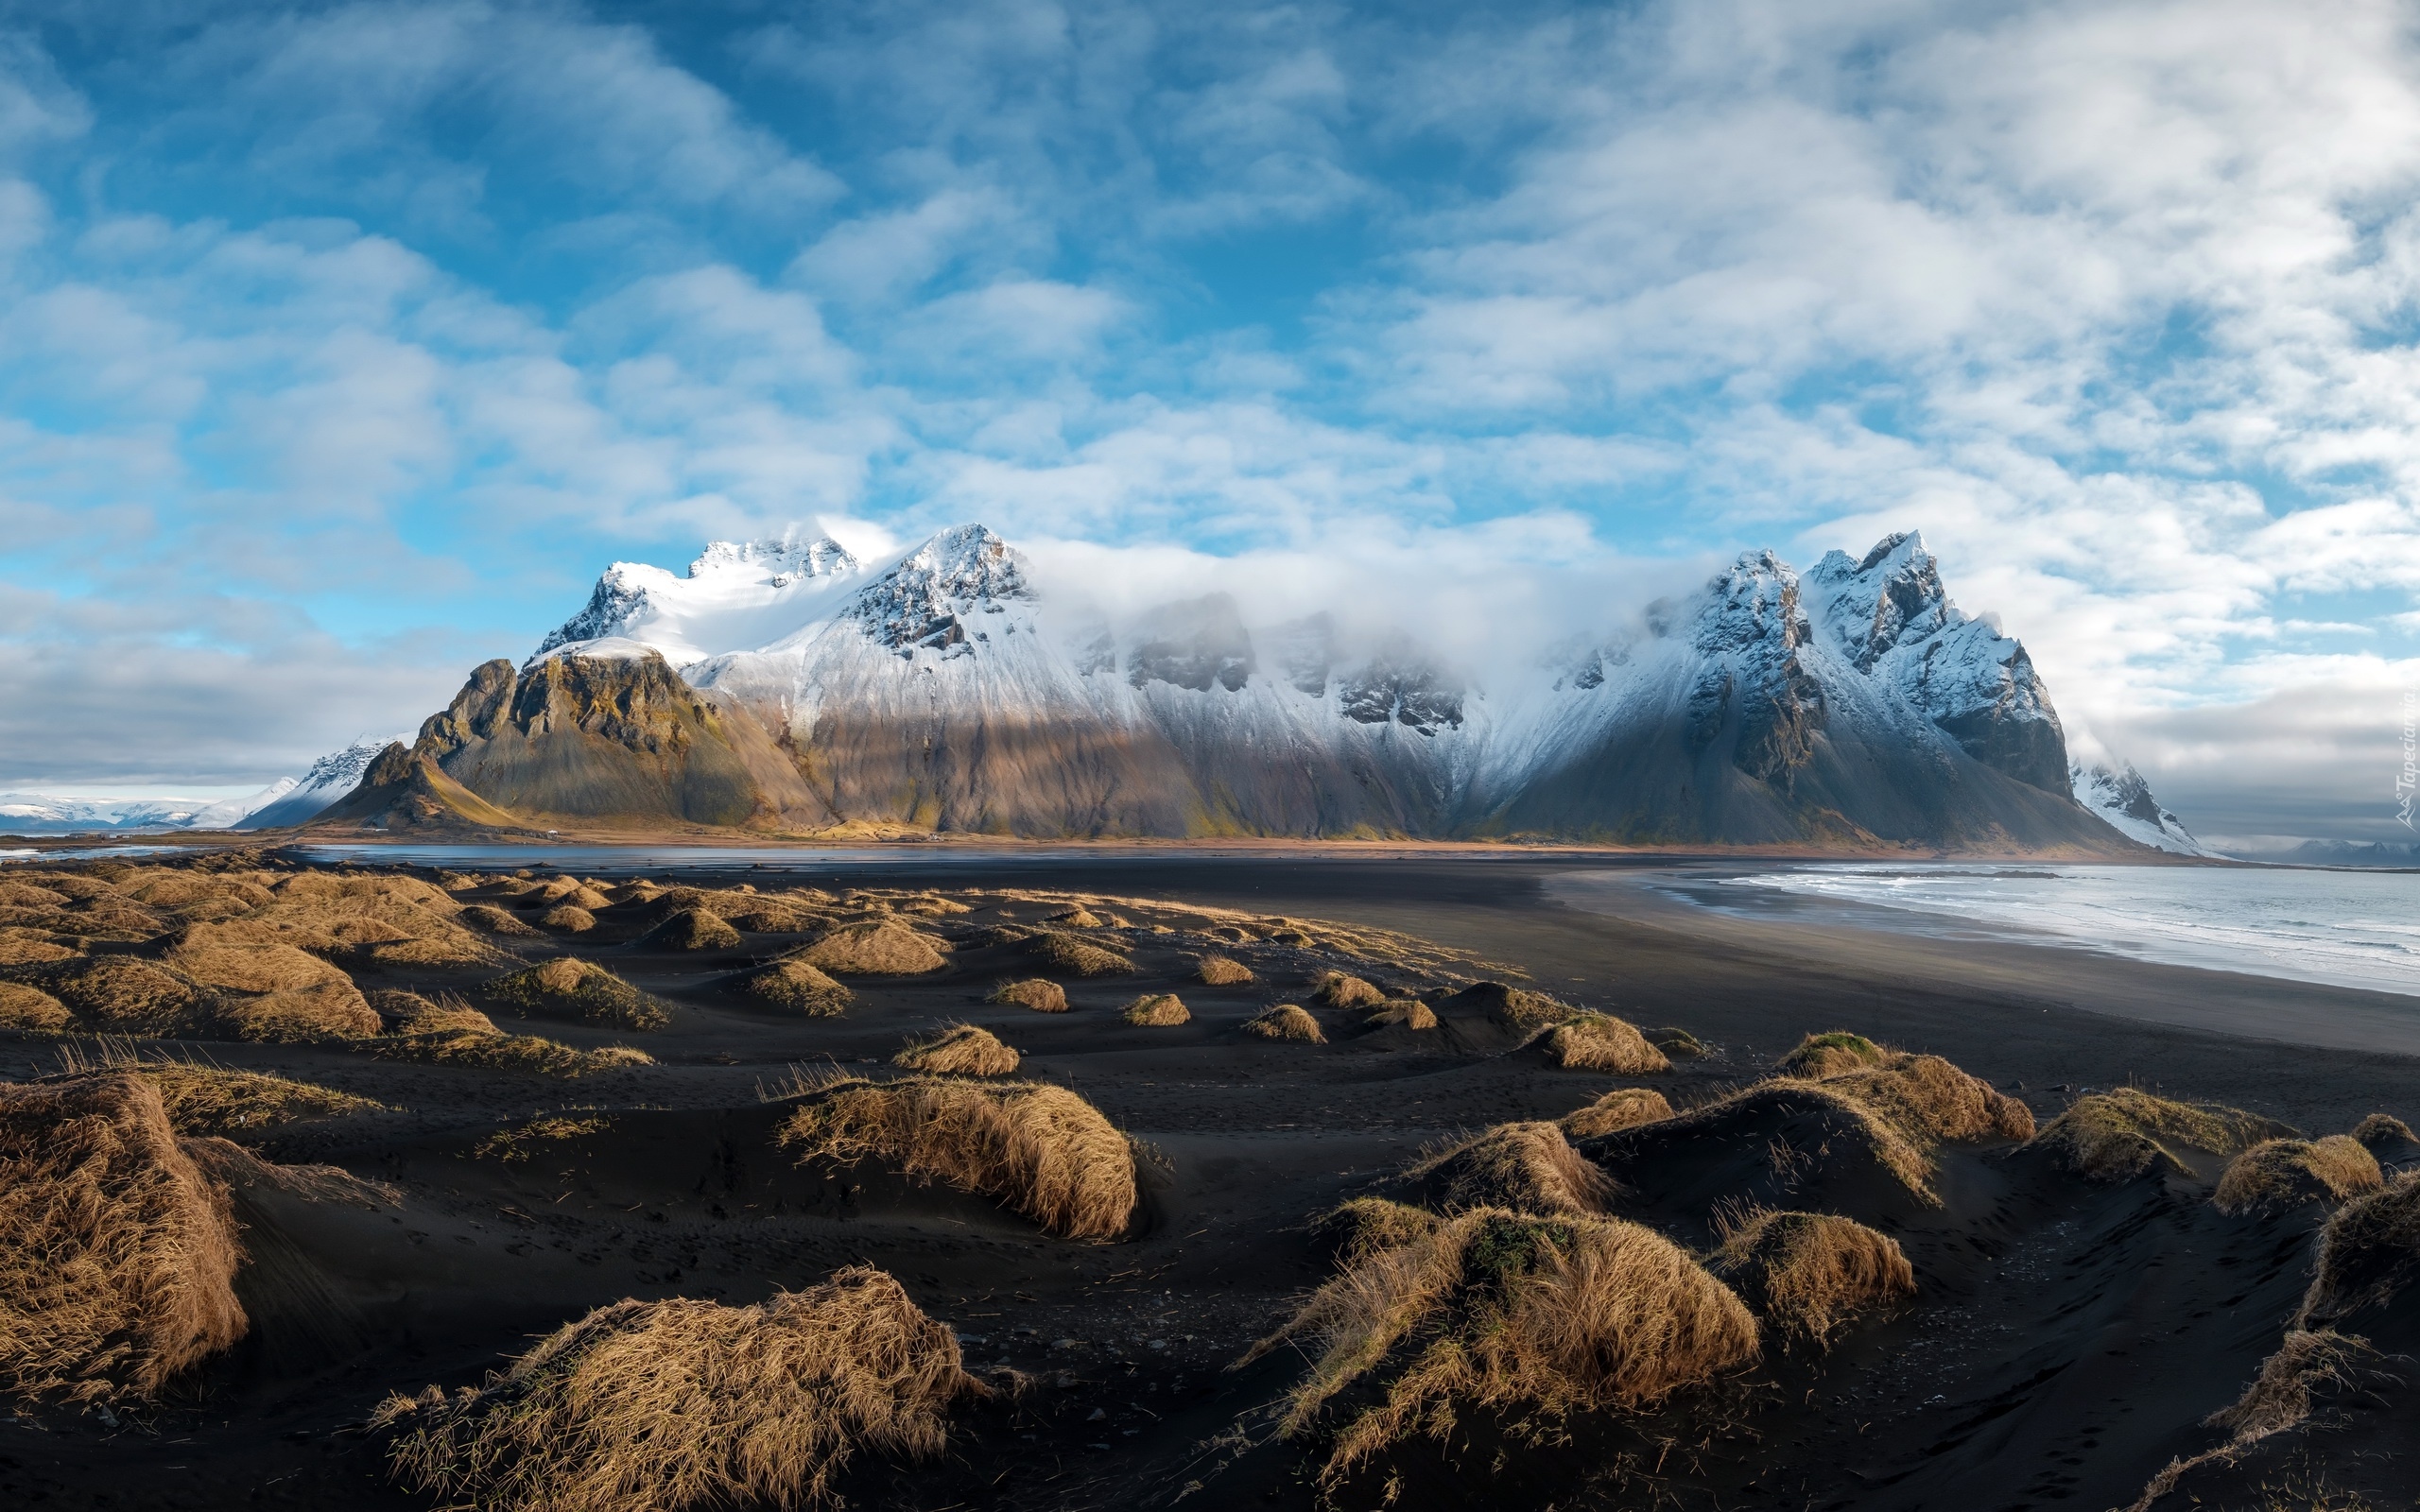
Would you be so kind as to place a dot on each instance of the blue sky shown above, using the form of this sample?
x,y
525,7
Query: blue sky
x,y
341,345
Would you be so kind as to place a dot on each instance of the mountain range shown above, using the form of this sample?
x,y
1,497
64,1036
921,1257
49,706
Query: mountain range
x,y
789,687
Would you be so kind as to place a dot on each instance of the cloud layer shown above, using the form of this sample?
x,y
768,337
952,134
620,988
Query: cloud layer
x,y
341,344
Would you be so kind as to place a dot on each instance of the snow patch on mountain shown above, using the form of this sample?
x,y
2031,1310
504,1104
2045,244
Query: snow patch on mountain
x,y
2124,801
736,594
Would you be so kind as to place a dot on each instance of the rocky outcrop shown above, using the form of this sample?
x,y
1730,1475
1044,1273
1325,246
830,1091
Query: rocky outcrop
x,y
599,738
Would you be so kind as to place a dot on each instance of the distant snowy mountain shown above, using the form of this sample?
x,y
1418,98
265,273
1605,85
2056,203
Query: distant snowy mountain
x,y
939,690
332,776
42,814
2124,801
2338,853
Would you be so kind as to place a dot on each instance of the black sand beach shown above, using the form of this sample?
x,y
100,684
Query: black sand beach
x,y
2065,1342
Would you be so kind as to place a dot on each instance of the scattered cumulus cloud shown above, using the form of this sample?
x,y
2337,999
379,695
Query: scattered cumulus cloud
x,y
340,345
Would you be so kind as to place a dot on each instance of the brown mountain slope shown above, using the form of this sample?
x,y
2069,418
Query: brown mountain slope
x,y
621,739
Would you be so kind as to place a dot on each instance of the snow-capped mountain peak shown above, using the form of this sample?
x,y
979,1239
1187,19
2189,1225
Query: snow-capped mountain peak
x,y
2123,800
777,561
736,593
926,599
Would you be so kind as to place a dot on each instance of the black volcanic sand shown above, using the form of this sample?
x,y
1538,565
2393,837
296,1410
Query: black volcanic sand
x,y
2066,1344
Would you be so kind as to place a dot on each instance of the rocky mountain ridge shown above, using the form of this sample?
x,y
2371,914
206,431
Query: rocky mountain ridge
x,y
789,685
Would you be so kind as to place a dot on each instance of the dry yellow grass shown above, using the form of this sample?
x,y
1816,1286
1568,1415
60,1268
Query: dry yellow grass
x,y
1820,1056
1156,1010
2278,1399
117,1257
1364,1226
2382,1130
568,983
958,1050
1678,1043
124,994
1622,1108
568,918
791,983
2278,1174
1525,1167
1335,989
2369,1250
1807,1272
2116,1136
30,1009
230,1164
203,1100
271,991
527,1054
1517,1008
691,929
1931,1099
410,1013
1409,1012
1034,992
1221,970
515,1145
1599,1041
1287,1021
1065,951
32,947
489,920
881,949
1042,1150
1532,1317
674,1405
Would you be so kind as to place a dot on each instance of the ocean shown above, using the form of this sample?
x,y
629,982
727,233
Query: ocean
x,y
2358,929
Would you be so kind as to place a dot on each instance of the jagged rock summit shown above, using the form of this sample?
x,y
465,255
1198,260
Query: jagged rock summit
x,y
790,686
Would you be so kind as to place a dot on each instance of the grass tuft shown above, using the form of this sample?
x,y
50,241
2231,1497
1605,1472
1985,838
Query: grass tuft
x,y
1622,1108
1220,971
1042,1150
2369,1250
674,1405
1156,1010
1678,1043
794,984
689,929
1409,1012
1599,1041
117,1256
569,919
2278,1174
2116,1136
1364,1226
958,1050
204,1100
29,1009
1335,989
881,948
1821,1055
2381,1130
1527,1167
489,920
568,983
1034,992
1533,1317
1807,1273
1077,957
1287,1021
